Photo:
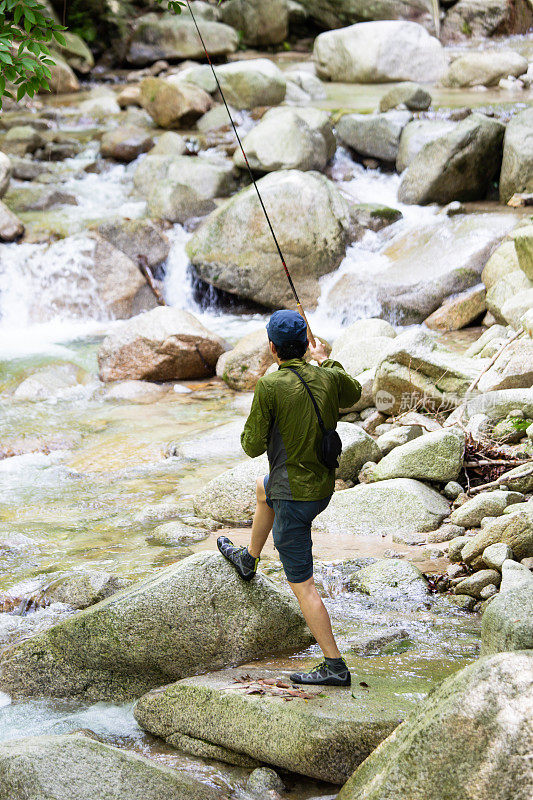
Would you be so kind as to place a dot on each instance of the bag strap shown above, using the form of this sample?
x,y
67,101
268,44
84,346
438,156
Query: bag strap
x,y
310,393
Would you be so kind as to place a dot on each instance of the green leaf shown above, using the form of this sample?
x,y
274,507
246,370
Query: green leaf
x,y
17,15
21,91
28,13
59,38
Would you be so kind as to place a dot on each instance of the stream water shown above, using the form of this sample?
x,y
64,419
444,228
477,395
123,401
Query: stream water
x,y
93,478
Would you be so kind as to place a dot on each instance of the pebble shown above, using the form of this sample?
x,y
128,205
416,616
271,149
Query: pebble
x,y
452,490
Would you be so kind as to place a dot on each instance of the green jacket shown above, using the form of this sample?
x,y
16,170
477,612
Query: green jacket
x,y
283,423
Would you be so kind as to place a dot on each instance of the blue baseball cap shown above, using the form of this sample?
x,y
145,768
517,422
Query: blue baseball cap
x,y
286,326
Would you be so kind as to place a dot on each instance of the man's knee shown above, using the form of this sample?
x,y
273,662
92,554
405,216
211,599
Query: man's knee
x,y
260,490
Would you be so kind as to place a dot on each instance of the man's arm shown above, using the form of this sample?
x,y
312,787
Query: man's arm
x,y
254,438
349,388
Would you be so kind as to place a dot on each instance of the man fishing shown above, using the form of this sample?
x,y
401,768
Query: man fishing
x,y
284,423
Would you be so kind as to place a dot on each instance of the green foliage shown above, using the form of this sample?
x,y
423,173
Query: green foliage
x,y
26,31
521,424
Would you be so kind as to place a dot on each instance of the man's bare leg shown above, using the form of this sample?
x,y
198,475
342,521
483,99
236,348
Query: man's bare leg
x,y
263,521
316,616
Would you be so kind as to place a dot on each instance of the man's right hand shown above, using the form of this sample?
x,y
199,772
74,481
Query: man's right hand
x,y
318,352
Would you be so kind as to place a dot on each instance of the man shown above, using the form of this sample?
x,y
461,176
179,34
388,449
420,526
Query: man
x,y
284,423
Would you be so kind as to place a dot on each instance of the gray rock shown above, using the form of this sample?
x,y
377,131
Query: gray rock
x,y
379,52
168,36
125,143
452,490
325,737
169,143
476,582
5,173
177,202
397,437
234,250
496,406
488,591
436,456
514,529
517,165
477,19
206,179
230,497
248,361
416,135
495,554
507,622
458,166
11,227
358,447
431,756
512,370
390,578
176,534
411,95
163,344
251,83
377,136
446,533
463,601
486,504
258,22
484,68
384,508
455,548
138,238
48,382
514,575
84,588
264,780
183,620
289,138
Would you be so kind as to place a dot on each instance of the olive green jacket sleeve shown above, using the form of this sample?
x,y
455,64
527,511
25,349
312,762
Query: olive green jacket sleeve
x,y
254,438
349,389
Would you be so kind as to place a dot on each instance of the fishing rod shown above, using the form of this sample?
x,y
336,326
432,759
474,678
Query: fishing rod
x,y
287,273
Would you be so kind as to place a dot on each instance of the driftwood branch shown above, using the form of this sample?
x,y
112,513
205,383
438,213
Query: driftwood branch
x,y
150,280
502,480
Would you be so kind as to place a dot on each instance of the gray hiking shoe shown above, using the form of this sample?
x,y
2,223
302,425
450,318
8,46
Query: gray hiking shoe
x,y
244,563
324,674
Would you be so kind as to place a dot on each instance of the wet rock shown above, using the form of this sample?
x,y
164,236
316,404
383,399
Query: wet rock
x,y
517,165
169,144
217,118
233,249
173,105
460,165
125,143
289,138
417,367
358,447
397,437
371,216
175,38
416,135
455,548
219,442
384,508
495,554
411,95
48,383
183,620
390,578
463,601
324,737
79,767
129,96
5,173
484,68
230,497
476,582
487,504
514,529
477,18
307,82
135,391
507,623
138,239
44,199
491,700
452,490
63,79
11,227
512,370
177,202
459,311
242,367
379,52
446,533
332,14
263,780
162,344
176,533
377,135
204,179
257,82
21,140
259,22
84,588
434,456
100,105
514,575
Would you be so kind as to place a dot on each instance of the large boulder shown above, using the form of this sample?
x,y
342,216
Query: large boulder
x,y
185,619
62,78
485,68
172,37
161,345
416,272
336,13
416,135
230,497
321,734
11,227
514,529
517,165
374,135
391,579
79,767
379,52
409,95
387,507
177,202
514,287
5,173
523,242
502,262
261,22
512,370
481,18
242,367
460,165
466,739
140,239
363,345
358,447
486,504
507,622
289,138
204,178
496,406
233,248
459,310
173,105
419,369
125,143
257,82
436,456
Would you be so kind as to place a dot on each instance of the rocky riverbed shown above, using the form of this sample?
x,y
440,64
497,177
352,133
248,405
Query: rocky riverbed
x,y
136,277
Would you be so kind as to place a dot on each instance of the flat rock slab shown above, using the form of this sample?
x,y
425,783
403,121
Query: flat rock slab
x,y
325,735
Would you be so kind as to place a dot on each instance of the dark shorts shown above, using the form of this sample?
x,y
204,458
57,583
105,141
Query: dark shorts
x,y
292,534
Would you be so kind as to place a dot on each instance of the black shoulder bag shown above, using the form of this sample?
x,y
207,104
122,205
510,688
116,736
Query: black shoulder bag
x,y
331,446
